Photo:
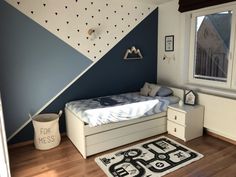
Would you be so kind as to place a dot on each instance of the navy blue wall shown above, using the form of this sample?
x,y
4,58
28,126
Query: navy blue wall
x,y
112,74
34,66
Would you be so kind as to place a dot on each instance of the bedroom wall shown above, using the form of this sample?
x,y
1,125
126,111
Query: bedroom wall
x,y
110,75
219,104
34,66
174,61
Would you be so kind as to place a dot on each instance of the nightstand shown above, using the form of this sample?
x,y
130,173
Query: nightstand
x,y
185,122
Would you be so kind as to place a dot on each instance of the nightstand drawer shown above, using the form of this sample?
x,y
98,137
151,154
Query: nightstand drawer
x,y
175,116
176,130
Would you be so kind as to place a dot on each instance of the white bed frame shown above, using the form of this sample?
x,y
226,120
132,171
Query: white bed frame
x,y
92,140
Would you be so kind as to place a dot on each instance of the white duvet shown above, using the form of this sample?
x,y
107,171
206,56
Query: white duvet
x,y
119,113
116,108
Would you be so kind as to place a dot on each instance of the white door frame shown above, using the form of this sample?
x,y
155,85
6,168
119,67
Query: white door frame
x,y
4,159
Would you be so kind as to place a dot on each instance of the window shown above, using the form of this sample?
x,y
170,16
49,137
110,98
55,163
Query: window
x,y
211,47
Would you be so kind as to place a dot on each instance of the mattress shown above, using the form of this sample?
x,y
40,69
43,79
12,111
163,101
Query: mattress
x,y
116,108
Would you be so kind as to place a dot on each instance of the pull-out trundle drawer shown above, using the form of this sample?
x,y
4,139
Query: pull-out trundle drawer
x,y
124,135
92,140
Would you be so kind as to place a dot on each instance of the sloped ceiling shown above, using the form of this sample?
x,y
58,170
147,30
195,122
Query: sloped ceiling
x,y
70,20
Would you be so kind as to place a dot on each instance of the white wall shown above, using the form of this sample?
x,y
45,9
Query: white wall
x,y
220,114
169,24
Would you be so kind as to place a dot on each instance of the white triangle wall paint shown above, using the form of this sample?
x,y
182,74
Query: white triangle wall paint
x,y
70,20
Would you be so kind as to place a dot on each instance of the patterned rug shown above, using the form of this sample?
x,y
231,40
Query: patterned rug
x,y
152,158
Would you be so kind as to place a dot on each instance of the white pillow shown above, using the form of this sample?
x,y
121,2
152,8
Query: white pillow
x,y
145,90
149,89
154,90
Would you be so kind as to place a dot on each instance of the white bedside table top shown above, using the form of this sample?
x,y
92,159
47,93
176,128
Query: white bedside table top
x,y
184,108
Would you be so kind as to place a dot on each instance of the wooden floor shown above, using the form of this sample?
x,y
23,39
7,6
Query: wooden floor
x,y
65,161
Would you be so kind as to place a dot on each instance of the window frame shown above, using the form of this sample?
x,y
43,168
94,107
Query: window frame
x,y
231,61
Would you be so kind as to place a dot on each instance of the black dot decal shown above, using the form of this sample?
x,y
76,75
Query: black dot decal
x,y
77,25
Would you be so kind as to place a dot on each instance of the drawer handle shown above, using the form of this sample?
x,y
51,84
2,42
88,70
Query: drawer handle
x,y
175,117
175,130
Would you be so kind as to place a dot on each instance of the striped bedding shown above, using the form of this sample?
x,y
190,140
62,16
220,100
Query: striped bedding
x,y
116,108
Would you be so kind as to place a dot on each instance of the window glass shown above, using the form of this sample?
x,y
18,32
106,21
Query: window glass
x,y
212,46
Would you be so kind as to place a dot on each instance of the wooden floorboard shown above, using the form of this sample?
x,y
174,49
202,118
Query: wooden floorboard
x,y
65,161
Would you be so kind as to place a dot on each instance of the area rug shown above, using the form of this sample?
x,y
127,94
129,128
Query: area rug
x,y
153,158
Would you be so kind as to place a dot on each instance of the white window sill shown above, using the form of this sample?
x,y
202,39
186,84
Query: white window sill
x,y
226,93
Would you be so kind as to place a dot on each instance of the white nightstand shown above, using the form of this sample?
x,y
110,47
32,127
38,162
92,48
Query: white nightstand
x,y
185,122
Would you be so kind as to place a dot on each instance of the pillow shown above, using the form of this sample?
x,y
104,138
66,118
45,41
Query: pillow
x,y
145,90
164,91
173,99
149,89
154,90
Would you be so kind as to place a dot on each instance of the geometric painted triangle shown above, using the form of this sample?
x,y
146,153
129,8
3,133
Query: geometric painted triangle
x,y
91,27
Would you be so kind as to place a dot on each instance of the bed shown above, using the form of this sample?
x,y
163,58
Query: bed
x,y
99,124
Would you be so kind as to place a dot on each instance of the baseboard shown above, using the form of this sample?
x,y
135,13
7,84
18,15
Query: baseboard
x,y
208,132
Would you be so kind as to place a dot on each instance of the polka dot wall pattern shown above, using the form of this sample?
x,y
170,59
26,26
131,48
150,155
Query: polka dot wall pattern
x,y
70,20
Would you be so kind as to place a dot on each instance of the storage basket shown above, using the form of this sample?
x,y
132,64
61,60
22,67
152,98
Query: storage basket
x,y
46,131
